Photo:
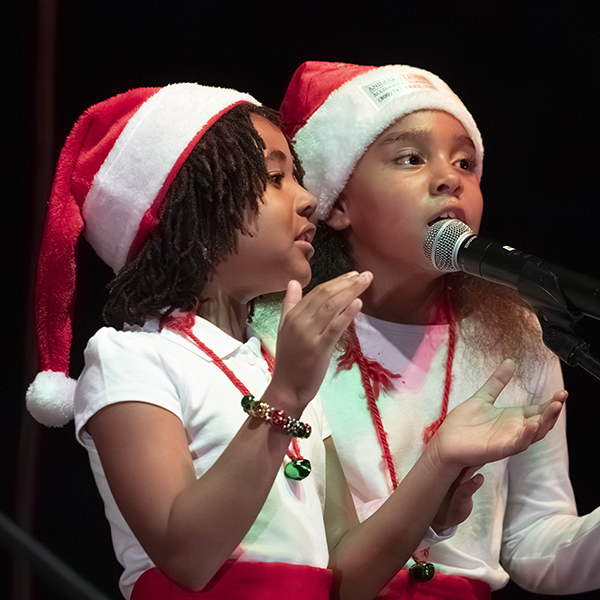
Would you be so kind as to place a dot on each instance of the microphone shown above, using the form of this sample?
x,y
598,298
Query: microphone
x,y
450,246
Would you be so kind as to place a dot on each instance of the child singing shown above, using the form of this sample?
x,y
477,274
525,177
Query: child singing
x,y
209,454
388,152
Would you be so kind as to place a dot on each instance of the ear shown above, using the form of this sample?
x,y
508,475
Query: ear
x,y
339,217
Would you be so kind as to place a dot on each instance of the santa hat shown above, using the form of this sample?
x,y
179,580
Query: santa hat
x,y
111,180
334,111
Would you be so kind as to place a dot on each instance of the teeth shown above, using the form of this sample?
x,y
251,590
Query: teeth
x,y
449,214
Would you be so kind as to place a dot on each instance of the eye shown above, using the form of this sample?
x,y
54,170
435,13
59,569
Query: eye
x,y
276,178
467,163
409,159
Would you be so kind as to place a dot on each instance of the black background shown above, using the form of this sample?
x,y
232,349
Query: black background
x,y
528,72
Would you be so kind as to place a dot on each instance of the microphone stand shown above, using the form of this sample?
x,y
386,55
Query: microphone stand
x,y
540,288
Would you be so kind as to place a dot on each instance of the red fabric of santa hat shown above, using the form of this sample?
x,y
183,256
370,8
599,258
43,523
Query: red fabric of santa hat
x,y
334,111
111,180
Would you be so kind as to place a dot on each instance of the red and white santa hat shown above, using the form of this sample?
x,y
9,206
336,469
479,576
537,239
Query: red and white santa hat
x,y
111,180
334,111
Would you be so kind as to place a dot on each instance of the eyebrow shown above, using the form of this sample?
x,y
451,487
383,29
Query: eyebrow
x,y
416,135
275,156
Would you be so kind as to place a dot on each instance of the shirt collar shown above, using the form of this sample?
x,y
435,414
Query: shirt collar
x,y
218,341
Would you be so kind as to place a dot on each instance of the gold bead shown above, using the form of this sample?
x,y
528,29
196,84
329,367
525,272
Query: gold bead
x,y
259,409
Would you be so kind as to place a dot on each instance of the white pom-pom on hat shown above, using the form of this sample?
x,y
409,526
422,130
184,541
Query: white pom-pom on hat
x,y
112,177
50,398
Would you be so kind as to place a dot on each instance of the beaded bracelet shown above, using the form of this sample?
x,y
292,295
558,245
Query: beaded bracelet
x,y
277,418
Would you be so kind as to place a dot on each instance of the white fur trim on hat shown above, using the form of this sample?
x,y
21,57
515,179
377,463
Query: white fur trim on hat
x,y
137,166
343,127
50,398
111,180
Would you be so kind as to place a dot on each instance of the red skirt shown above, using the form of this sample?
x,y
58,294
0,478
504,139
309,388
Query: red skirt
x,y
442,587
238,580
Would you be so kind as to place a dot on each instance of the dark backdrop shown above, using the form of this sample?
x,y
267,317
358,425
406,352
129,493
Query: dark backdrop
x,y
526,70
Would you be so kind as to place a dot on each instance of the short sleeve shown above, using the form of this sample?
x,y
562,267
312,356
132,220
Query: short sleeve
x,y
124,366
325,429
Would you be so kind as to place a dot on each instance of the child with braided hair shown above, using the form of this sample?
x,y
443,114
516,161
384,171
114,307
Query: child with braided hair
x,y
388,152
214,462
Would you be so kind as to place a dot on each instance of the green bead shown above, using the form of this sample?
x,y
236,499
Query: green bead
x,y
422,571
247,402
298,469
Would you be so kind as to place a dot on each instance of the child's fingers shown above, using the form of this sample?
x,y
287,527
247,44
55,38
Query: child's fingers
x,y
545,415
328,302
498,380
468,473
462,499
293,295
467,488
323,292
549,416
526,437
341,322
327,294
331,288
540,409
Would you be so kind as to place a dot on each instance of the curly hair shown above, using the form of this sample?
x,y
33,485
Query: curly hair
x,y
224,176
500,323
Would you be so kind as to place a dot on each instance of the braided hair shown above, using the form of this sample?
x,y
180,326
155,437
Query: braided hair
x,y
224,176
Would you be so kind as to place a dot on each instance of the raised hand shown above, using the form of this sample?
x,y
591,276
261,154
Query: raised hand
x,y
476,432
309,329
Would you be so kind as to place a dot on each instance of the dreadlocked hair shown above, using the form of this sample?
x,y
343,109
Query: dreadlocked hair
x,y
224,176
499,324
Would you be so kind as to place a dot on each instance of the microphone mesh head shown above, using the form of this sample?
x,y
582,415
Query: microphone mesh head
x,y
442,242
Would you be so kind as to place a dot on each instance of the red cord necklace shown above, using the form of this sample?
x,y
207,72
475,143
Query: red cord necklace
x,y
298,468
374,377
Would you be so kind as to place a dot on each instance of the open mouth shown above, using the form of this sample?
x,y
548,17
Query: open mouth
x,y
307,234
448,214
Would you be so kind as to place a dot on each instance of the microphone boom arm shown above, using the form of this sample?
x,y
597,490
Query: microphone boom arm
x,y
540,288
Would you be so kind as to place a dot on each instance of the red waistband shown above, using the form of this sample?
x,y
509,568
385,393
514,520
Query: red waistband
x,y
238,580
442,587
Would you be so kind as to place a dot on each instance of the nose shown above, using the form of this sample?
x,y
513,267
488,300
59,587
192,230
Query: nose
x,y
446,181
306,203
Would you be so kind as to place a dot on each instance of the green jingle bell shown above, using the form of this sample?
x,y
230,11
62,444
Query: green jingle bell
x,y
298,469
422,571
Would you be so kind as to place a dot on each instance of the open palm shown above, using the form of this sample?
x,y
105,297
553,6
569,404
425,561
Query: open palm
x,y
477,432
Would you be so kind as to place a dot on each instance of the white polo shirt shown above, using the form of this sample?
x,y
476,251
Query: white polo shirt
x,y
524,520
165,369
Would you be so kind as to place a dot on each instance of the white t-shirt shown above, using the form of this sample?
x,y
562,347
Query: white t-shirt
x,y
165,369
525,513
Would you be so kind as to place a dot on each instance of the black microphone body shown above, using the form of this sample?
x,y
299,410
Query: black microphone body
x,y
452,246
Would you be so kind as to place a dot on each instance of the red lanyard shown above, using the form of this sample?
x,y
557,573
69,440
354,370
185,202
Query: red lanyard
x,y
184,323
375,377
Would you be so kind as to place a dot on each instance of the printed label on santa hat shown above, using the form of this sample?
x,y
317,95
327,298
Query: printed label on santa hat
x,y
383,89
